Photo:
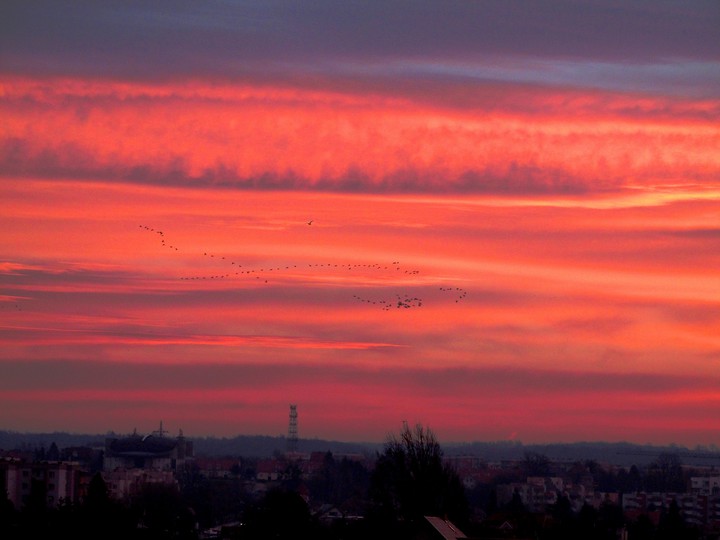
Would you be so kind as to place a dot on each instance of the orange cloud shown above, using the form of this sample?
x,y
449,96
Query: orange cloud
x,y
576,308
297,138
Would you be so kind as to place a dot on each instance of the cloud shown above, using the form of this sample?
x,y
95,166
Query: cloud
x,y
234,39
29,375
290,138
140,336
365,403
564,293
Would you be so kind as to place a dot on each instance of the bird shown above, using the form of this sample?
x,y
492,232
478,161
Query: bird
x,y
402,301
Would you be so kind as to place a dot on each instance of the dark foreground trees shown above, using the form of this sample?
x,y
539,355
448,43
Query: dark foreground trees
x,y
410,481
96,516
282,515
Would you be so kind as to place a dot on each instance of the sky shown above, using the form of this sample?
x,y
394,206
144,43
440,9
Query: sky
x,y
499,219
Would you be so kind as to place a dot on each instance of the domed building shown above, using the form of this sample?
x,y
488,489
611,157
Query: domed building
x,y
155,451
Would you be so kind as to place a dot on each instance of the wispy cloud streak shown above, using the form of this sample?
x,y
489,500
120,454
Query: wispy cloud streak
x,y
276,138
499,218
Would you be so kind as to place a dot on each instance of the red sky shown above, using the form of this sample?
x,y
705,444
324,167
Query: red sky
x,y
506,242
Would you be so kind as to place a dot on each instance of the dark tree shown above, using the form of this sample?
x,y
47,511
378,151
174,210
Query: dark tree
x,y
8,517
642,529
672,525
280,515
516,506
666,474
629,481
214,500
323,483
536,464
610,520
53,453
163,512
35,516
342,483
563,519
292,476
587,523
411,481
98,496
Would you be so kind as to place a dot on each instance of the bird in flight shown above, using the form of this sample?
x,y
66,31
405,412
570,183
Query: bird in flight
x,y
402,300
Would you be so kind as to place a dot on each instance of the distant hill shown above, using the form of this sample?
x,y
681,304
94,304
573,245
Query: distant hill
x,y
14,440
617,453
264,446
241,445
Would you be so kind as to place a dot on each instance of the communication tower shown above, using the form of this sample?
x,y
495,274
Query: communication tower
x,y
292,440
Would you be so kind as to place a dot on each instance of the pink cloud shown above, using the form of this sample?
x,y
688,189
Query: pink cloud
x,y
265,137
591,406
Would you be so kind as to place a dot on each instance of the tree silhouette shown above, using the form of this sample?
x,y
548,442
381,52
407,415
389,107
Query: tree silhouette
x,y
610,519
98,496
563,519
411,481
100,516
536,464
341,483
214,500
281,514
53,453
8,516
672,525
163,512
666,474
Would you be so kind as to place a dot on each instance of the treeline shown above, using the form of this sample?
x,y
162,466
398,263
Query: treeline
x,y
617,453
265,446
241,445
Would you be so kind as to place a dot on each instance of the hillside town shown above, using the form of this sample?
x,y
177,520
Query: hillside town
x,y
155,486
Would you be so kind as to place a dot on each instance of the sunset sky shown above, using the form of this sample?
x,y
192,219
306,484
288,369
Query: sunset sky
x,y
500,219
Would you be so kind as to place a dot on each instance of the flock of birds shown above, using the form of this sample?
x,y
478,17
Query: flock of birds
x,y
462,293
402,301
234,269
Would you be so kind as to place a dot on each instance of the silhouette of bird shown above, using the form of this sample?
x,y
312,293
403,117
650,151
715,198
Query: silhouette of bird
x,y
401,301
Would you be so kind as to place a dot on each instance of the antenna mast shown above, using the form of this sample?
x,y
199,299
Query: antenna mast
x,y
292,440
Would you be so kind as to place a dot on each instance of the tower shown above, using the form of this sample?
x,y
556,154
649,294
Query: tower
x,y
292,440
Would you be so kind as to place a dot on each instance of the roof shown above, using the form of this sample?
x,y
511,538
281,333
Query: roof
x,y
149,445
445,527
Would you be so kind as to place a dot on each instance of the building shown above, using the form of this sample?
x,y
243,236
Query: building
x,y
122,483
130,463
154,452
270,470
49,481
218,467
705,485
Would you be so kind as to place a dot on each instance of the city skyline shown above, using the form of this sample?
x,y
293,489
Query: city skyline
x,y
498,219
